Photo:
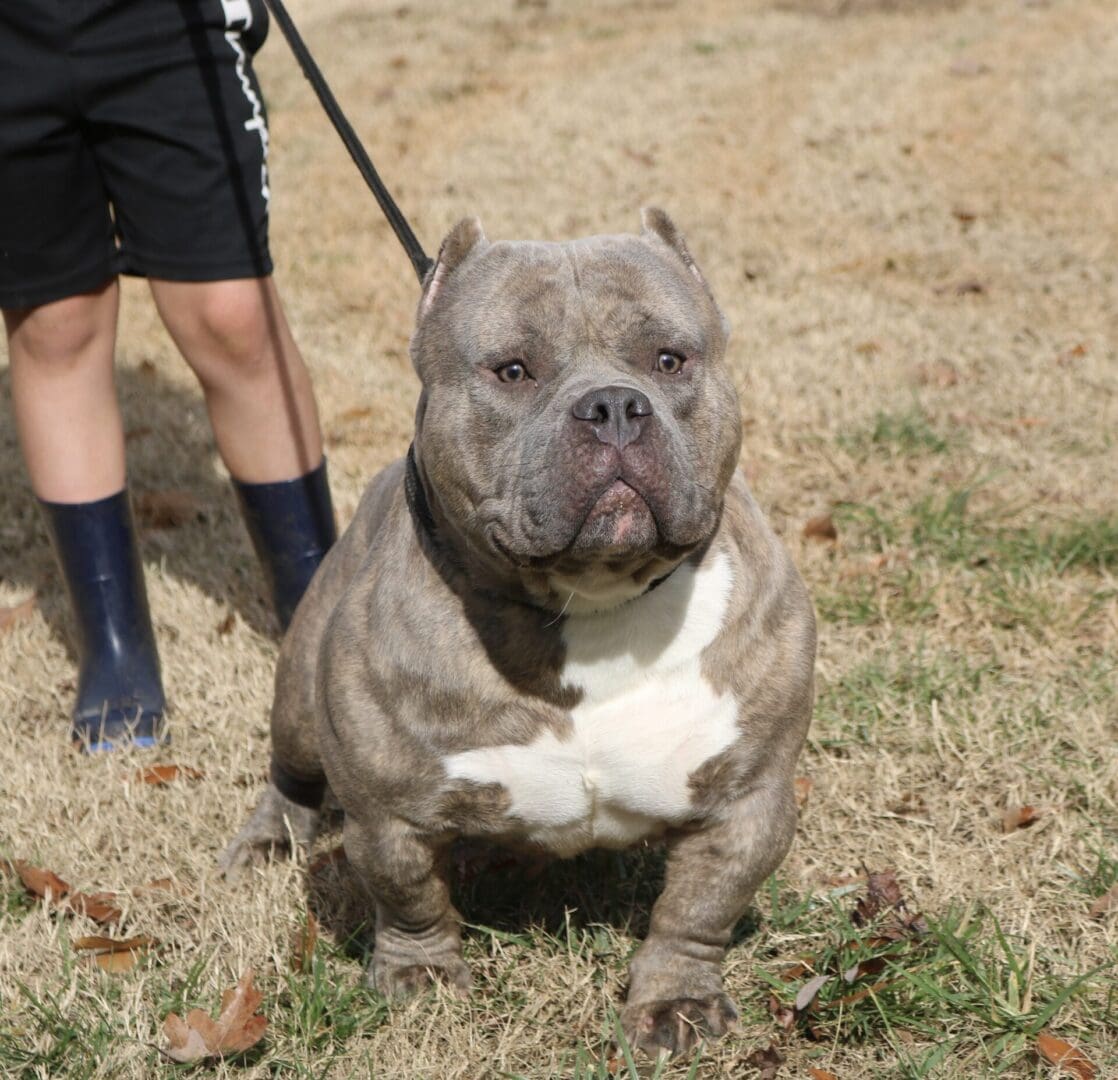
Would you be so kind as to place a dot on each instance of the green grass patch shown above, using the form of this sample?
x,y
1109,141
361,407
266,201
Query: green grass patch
x,y
903,434
962,993
1004,568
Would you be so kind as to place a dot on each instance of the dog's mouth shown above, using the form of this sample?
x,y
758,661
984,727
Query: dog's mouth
x,y
619,522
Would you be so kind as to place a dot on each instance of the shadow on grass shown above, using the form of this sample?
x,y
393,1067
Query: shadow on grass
x,y
516,898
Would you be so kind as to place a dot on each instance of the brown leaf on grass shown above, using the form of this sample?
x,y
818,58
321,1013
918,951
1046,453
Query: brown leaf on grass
x,y
237,1028
112,955
47,886
766,1060
116,962
302,951
13,616
820,528
99,943
161,775
42,884
873,965
803,786
167,509
883,895
781,1013
822,1074
100,907
809,992
1019,817
1069,1058
159,885
1107,902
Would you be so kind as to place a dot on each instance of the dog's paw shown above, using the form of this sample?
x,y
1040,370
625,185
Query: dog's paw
x,y
678,1025
399,982
276,825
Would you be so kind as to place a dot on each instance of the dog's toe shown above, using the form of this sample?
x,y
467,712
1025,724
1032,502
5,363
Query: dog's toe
x,y
678,1025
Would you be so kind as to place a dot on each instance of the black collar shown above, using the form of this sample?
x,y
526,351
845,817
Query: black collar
x,y
417,497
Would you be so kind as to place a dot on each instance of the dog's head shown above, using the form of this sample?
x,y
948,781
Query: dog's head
x,y
577,427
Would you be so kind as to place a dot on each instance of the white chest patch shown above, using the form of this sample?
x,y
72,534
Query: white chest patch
x,y
647,719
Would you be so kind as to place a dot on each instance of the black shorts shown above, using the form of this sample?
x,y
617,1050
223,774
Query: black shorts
x,y
133,140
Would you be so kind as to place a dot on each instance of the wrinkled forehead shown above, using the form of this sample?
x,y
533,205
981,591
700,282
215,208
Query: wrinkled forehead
x,y
598,290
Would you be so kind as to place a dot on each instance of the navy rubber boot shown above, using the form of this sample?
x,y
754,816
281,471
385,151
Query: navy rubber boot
x,y
120,693
291,524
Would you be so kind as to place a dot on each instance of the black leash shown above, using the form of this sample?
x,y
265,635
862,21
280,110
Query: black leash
x,y
400,226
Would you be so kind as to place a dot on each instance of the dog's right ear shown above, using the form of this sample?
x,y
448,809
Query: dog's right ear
x,y
465,238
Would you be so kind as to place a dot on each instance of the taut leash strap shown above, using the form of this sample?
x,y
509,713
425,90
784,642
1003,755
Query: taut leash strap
x,y
419,258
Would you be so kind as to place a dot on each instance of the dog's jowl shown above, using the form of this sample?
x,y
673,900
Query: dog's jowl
x,y
560,622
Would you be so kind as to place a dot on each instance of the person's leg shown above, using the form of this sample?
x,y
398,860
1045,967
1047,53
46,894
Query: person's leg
x,y
70,430
64,398
234,336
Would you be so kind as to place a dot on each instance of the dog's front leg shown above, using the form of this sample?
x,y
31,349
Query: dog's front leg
x,y
675,989
418,938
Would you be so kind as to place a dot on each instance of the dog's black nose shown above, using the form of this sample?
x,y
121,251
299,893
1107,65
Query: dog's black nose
x,y
616,413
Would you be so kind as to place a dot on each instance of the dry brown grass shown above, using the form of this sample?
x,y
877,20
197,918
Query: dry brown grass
x,y
840,170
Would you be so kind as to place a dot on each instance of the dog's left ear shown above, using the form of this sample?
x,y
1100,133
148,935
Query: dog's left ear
x,y
656,224
465,238
658,229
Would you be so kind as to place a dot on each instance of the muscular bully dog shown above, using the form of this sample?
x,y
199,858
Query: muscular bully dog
x,y
561,621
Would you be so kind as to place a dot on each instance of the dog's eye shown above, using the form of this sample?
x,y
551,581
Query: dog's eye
x,y
512,372
669,363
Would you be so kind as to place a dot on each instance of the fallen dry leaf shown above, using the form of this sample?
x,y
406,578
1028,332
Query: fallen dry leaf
x,y
822,1074
781,1013
100,907
47,886
809,991
237,1028
161,775
1072,1060
13,616
820,528
302,953
1019,817
99,943
766,1060
1107,902
112,955
168,509
874,965
803,786
883,894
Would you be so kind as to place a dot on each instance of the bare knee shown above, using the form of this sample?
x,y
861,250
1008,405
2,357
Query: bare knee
x,y
228,331
63,336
